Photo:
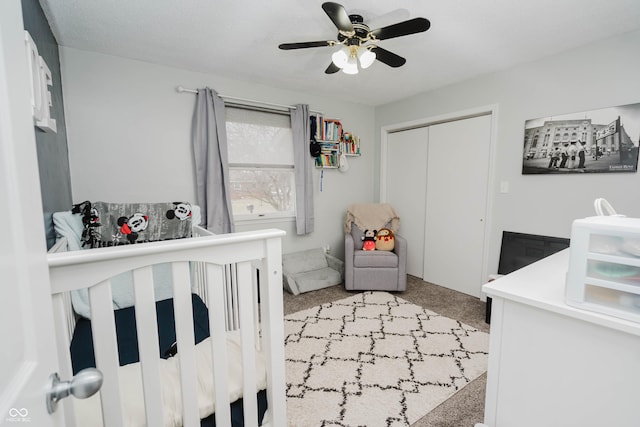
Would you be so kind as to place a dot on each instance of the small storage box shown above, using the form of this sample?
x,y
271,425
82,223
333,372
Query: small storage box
x,y
604,266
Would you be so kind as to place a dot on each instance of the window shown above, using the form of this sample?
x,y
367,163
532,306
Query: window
x,y
260,163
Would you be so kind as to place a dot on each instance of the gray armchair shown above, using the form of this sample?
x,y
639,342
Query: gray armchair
x,y
373,270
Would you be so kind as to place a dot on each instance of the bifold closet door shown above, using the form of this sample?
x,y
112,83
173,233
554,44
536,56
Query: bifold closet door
x,y
456,202
406,188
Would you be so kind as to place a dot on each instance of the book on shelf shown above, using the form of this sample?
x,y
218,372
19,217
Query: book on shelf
x,y
326,129
329,146
327,160
350,144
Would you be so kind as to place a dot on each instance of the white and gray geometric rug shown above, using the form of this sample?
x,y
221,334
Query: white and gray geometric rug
x,y
374,359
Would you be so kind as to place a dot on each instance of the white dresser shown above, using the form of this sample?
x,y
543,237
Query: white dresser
x,y
552,365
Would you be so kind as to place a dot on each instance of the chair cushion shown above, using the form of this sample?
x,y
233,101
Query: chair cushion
x,y
309,260
375,259
357,235
376,279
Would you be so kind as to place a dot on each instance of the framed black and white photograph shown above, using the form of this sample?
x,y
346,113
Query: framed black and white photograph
x,y
604,140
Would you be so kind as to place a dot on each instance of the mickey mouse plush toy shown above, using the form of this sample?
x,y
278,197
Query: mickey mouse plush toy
x,y
369,240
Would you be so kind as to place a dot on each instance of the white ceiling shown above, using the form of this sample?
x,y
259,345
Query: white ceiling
x,y
239,38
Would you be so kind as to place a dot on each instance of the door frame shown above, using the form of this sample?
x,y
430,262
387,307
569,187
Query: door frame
x,y
492,110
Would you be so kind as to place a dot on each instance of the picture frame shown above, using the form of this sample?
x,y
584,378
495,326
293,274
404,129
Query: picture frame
x,y
596,141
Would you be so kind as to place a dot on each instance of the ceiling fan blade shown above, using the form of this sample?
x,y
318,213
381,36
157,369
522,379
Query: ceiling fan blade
x,y
304,45
412,26
338,16
332,68
389,58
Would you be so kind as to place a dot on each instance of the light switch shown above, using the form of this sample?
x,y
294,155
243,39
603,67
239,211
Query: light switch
x,y
504,186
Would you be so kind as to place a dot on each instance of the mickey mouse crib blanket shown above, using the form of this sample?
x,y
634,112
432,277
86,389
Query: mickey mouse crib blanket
x,y
113,224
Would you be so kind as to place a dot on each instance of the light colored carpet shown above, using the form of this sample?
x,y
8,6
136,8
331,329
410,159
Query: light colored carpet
x,y
374,359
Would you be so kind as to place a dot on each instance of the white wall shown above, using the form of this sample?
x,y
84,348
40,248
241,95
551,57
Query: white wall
x,y
129,135
600,75
129,139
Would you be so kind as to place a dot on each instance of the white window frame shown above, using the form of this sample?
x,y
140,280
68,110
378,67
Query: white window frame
x,y
270,216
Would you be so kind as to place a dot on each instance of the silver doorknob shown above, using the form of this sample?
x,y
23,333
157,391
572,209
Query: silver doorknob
x,y
84,384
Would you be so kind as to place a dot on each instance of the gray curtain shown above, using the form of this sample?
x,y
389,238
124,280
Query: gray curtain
x,y
303,166
211,162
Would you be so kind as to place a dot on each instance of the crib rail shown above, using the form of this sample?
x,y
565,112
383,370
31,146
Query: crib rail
x,y
221,259
230,287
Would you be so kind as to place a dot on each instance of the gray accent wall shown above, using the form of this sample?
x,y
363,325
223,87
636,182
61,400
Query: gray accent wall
x,y
53,155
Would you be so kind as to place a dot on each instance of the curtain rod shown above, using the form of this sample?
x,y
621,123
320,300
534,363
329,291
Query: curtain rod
x,y
251,101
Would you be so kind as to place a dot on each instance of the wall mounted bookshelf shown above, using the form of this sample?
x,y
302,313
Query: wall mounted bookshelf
x,y
334,141
350,145
329,157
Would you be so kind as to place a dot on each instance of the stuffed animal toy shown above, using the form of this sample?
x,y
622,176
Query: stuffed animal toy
x,y
385,240
369,240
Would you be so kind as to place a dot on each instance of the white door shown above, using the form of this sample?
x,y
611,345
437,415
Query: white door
x,y
27,357
406,188
457,186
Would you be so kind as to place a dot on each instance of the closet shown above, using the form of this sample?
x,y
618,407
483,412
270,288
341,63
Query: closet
x,y
436,176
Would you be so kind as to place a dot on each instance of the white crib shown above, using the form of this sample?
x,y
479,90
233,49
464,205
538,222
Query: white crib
x,y
230,271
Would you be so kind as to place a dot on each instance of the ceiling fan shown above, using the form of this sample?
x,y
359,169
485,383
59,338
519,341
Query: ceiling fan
x,y
359,43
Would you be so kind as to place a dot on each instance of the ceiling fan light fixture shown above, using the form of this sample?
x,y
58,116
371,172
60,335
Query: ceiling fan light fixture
x,y
353,38
341,57
351,67
366,57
